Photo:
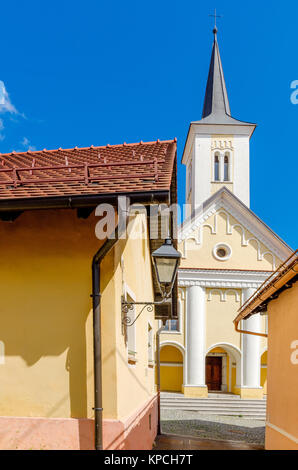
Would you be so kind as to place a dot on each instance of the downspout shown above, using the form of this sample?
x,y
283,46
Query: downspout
x,y
236,323
158,374
96,297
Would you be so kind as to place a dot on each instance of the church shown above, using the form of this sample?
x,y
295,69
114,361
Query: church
x,y
227,253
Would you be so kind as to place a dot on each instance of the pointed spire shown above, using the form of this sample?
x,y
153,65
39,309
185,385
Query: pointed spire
x,y
216,97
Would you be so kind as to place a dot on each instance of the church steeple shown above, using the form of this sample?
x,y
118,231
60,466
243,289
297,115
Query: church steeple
x,y
216,96
216,109
216,152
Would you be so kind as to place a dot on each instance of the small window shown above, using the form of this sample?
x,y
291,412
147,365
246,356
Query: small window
x,y
174,325
216,168
130,333
226,169
150,345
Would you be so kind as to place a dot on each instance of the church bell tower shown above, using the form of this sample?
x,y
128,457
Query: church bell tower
x,y
216,151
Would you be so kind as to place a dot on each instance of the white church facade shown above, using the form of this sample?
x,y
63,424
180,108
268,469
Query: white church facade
x,y
227,253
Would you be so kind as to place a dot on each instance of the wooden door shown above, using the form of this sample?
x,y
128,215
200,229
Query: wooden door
x,y
214,373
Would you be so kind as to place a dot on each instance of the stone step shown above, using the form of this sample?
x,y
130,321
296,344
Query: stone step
x,y
254,415
222,406
252,403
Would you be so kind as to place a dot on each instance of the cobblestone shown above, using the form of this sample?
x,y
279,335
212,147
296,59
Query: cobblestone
x,y
193,423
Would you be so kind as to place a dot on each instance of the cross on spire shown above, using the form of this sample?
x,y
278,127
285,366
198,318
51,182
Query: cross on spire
x,y
215,16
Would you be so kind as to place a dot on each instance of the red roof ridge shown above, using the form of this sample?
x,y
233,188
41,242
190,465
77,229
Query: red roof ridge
x,y
90,146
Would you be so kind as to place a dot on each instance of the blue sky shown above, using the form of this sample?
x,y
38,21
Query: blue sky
x,y
79,73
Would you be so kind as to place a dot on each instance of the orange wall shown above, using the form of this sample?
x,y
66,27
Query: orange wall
x,y
282,409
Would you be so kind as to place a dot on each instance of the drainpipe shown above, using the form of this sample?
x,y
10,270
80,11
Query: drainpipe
x,y
245,332
96,297
158,374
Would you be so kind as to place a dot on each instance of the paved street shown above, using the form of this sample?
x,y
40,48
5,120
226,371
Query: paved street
x,y
203,426
171,442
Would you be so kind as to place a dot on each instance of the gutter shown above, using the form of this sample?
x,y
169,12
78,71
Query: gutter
x,y
282,279
74,202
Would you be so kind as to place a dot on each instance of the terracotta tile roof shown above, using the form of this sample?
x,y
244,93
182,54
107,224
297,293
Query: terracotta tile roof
x,y
122,168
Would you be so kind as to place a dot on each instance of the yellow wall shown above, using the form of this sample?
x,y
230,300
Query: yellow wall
x,y
219,319
45,286
282,410
46,318
171,376
243,257
135,383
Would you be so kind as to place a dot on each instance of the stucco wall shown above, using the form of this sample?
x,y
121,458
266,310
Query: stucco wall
x,y
46,322
45,286
282,410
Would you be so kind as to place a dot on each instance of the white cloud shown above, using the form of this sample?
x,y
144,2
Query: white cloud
x,y
6,105
2,136
27,145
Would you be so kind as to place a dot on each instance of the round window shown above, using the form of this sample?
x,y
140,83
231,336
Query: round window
x,y
222,251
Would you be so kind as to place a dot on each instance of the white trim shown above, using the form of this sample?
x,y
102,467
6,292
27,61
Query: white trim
x,y
127,290
234,353
281,431
225,247
223,294
171,364
175,344
131,332
223,345
150,343
221,278
263,351
224,200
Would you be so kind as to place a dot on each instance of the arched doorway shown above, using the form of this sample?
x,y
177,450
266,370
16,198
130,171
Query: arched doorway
x,y
223,368
171,368
263,373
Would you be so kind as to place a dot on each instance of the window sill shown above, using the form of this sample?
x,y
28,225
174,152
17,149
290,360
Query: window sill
x,y
132,358
222,182
171,332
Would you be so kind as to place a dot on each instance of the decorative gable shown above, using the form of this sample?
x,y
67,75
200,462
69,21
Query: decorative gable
x,y
225,234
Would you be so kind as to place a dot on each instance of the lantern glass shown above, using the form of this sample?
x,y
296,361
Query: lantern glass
x,y
166,269
166,261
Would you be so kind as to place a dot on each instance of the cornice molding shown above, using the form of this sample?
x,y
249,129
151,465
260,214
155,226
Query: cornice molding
x,y
219,278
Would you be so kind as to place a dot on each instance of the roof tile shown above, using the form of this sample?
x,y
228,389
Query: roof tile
x,y
86,171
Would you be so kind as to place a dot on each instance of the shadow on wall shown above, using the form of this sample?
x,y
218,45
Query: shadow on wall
x,y
45,286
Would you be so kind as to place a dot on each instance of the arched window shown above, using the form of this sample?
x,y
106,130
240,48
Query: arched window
x,y
216,168
226,169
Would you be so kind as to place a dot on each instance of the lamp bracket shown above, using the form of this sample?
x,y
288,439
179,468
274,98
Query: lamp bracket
x,y
126,306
